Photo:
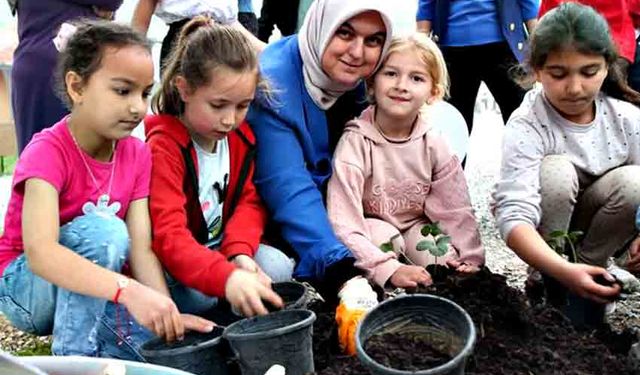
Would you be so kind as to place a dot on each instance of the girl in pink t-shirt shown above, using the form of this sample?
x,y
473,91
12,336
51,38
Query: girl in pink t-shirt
x,y
393,174
79,204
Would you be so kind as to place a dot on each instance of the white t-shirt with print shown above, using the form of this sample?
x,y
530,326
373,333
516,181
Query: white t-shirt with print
x,y
222,11
213,181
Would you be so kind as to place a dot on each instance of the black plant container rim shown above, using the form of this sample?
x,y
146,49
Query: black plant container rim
x,y
448,366
229,335
150,353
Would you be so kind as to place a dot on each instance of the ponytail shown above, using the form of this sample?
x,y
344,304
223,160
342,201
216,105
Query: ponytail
x,y
202,47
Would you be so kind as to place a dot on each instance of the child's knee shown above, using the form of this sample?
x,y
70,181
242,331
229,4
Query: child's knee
x,y
104,241
382,232
626,189
276,264
558,179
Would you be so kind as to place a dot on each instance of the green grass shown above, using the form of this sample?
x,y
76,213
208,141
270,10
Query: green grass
x,y
38,348
7,164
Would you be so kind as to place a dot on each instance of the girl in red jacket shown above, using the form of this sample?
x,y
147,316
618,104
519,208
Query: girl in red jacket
x,y
207,216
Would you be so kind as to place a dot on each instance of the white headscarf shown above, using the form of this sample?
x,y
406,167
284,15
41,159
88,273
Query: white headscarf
x,y
321,22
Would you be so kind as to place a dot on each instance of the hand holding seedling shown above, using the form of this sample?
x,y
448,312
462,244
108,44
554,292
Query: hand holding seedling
x,y
587,281
409,276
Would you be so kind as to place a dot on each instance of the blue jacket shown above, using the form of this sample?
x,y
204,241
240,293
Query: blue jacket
x,y
293,161
511,15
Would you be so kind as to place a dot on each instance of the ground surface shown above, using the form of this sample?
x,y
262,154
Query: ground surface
x,y
512,337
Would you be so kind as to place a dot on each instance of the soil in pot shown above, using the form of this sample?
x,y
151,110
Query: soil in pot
x,y
513,338
389,349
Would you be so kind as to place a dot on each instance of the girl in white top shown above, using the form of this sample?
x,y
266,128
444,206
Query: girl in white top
x,y
176,13
570,155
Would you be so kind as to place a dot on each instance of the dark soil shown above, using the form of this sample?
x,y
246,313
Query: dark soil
x,y
512,337
390,349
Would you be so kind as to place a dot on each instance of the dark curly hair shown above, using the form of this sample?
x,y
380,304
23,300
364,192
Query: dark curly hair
x,y
573,25
85,49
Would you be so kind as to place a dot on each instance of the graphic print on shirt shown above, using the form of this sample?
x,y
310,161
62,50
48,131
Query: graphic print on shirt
x,y
397,197
213,181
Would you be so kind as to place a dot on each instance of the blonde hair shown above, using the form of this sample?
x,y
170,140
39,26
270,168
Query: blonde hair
x,y
428,52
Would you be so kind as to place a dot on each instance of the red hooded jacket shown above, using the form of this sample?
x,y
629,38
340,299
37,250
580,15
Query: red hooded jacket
x,y
179,228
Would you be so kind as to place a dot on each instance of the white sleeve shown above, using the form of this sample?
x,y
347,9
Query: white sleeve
x,y
221,11
517,194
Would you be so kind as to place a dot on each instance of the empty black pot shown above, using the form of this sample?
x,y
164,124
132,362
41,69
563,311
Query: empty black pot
x,y
434,317
282,337
293,295
198,353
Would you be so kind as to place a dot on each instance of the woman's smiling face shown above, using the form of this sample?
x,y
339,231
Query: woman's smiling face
x,y
355,48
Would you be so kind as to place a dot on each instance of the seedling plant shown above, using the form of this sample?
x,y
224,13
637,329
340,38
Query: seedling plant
x,y
558,238
436,242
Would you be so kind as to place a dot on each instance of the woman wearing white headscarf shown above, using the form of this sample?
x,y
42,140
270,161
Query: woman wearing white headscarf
x,y
317,81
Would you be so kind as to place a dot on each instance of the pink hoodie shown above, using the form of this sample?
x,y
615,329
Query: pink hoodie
x,y
401,183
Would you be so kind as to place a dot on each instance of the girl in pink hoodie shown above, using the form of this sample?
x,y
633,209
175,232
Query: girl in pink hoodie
x,y
393,173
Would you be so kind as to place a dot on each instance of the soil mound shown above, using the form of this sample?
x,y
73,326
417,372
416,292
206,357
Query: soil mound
x,y
512,337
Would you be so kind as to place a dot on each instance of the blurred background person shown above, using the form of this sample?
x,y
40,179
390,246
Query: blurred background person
x,y
487,54
35,103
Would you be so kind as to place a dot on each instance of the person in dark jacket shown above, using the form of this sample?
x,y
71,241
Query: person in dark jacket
x,y
488,54
33,95
280,13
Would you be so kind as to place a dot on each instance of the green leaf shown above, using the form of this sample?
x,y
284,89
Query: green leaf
x,y
425,245
431,229
574,236
557,234
442,246
435,230
444,240
387,247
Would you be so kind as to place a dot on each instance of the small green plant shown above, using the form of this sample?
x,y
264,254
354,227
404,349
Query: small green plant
x,y
558,238
387,247
436,242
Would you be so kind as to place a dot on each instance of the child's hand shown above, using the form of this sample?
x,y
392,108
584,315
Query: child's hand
x,y
245,293
633,264
581,280
247,263
462,267
153,310
410,276
196,323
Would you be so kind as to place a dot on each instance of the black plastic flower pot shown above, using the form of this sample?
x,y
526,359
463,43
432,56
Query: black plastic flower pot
x,y
582,312
198,353
293,295
282,337
438,331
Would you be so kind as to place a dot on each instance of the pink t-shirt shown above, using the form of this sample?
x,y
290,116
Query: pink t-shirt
x,y
53,156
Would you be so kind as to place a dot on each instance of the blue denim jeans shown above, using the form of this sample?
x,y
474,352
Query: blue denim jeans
x,y
34,305
122,339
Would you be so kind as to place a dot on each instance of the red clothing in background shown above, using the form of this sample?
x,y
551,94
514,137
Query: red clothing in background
x,y
618,15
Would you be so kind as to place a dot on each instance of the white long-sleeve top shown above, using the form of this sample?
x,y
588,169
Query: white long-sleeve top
x,y
536,130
